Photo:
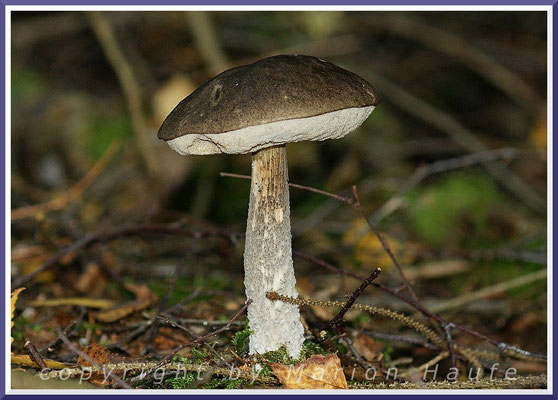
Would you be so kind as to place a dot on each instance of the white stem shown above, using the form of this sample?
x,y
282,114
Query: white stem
x,y
268,263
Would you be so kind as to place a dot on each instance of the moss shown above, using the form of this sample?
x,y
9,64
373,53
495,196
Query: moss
x,y
388,352
240,340
224,383
309,348
455,210
185,382
280,355
199,355
266,370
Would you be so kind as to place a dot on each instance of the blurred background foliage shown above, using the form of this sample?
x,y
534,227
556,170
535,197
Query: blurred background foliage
x,y
450,83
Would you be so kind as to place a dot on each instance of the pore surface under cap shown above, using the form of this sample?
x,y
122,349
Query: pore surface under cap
x,y
273,89
331,125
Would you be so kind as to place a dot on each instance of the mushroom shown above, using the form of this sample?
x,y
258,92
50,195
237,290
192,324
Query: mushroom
x,y
257,109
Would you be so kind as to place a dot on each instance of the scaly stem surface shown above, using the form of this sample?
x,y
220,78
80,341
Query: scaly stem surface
x,y
268,263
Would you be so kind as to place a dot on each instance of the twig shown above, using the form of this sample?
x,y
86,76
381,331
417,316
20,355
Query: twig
x,y
97,255
326,265
172,322
357,292
346,339
416,325
346,200
468,140
75,324
488,291
437,167
178,306
385,245
411,301
202,338
51,262
34,354
74,192
449,340
204,322
355,203
400,338
454,46
162,306
511,350
521,382
127,230
128,82
207,41
434,361
90,360
131,336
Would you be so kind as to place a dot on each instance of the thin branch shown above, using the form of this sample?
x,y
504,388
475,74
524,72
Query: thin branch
x,y
127,230
437,167
511,350
206,39
92,361
178,306
75,324
35,356
74,192
385,245
131,88
172,321
357,292
204,337
355,203
489,291
467,139
346,200
162,306
449,340
463,50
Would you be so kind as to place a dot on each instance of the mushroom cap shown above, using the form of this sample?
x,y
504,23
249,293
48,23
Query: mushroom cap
x,y
273,101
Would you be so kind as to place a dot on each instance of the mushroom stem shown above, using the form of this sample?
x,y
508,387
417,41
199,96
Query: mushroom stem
x,y
268,263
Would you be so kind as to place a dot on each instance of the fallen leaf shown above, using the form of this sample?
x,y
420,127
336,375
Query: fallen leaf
x,y
369,348
368,250
91,281
74,301
318,372
30,267
26,361
144,298
15,295
538,132
437,269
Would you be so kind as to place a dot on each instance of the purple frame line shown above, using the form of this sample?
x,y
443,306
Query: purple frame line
x,y
285,2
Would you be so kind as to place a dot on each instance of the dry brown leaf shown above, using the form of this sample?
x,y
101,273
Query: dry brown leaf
x,y
26,361
369,348
318,372
142,292
91,281
538,132
144,298
30,267
368,250
74,301
15,295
